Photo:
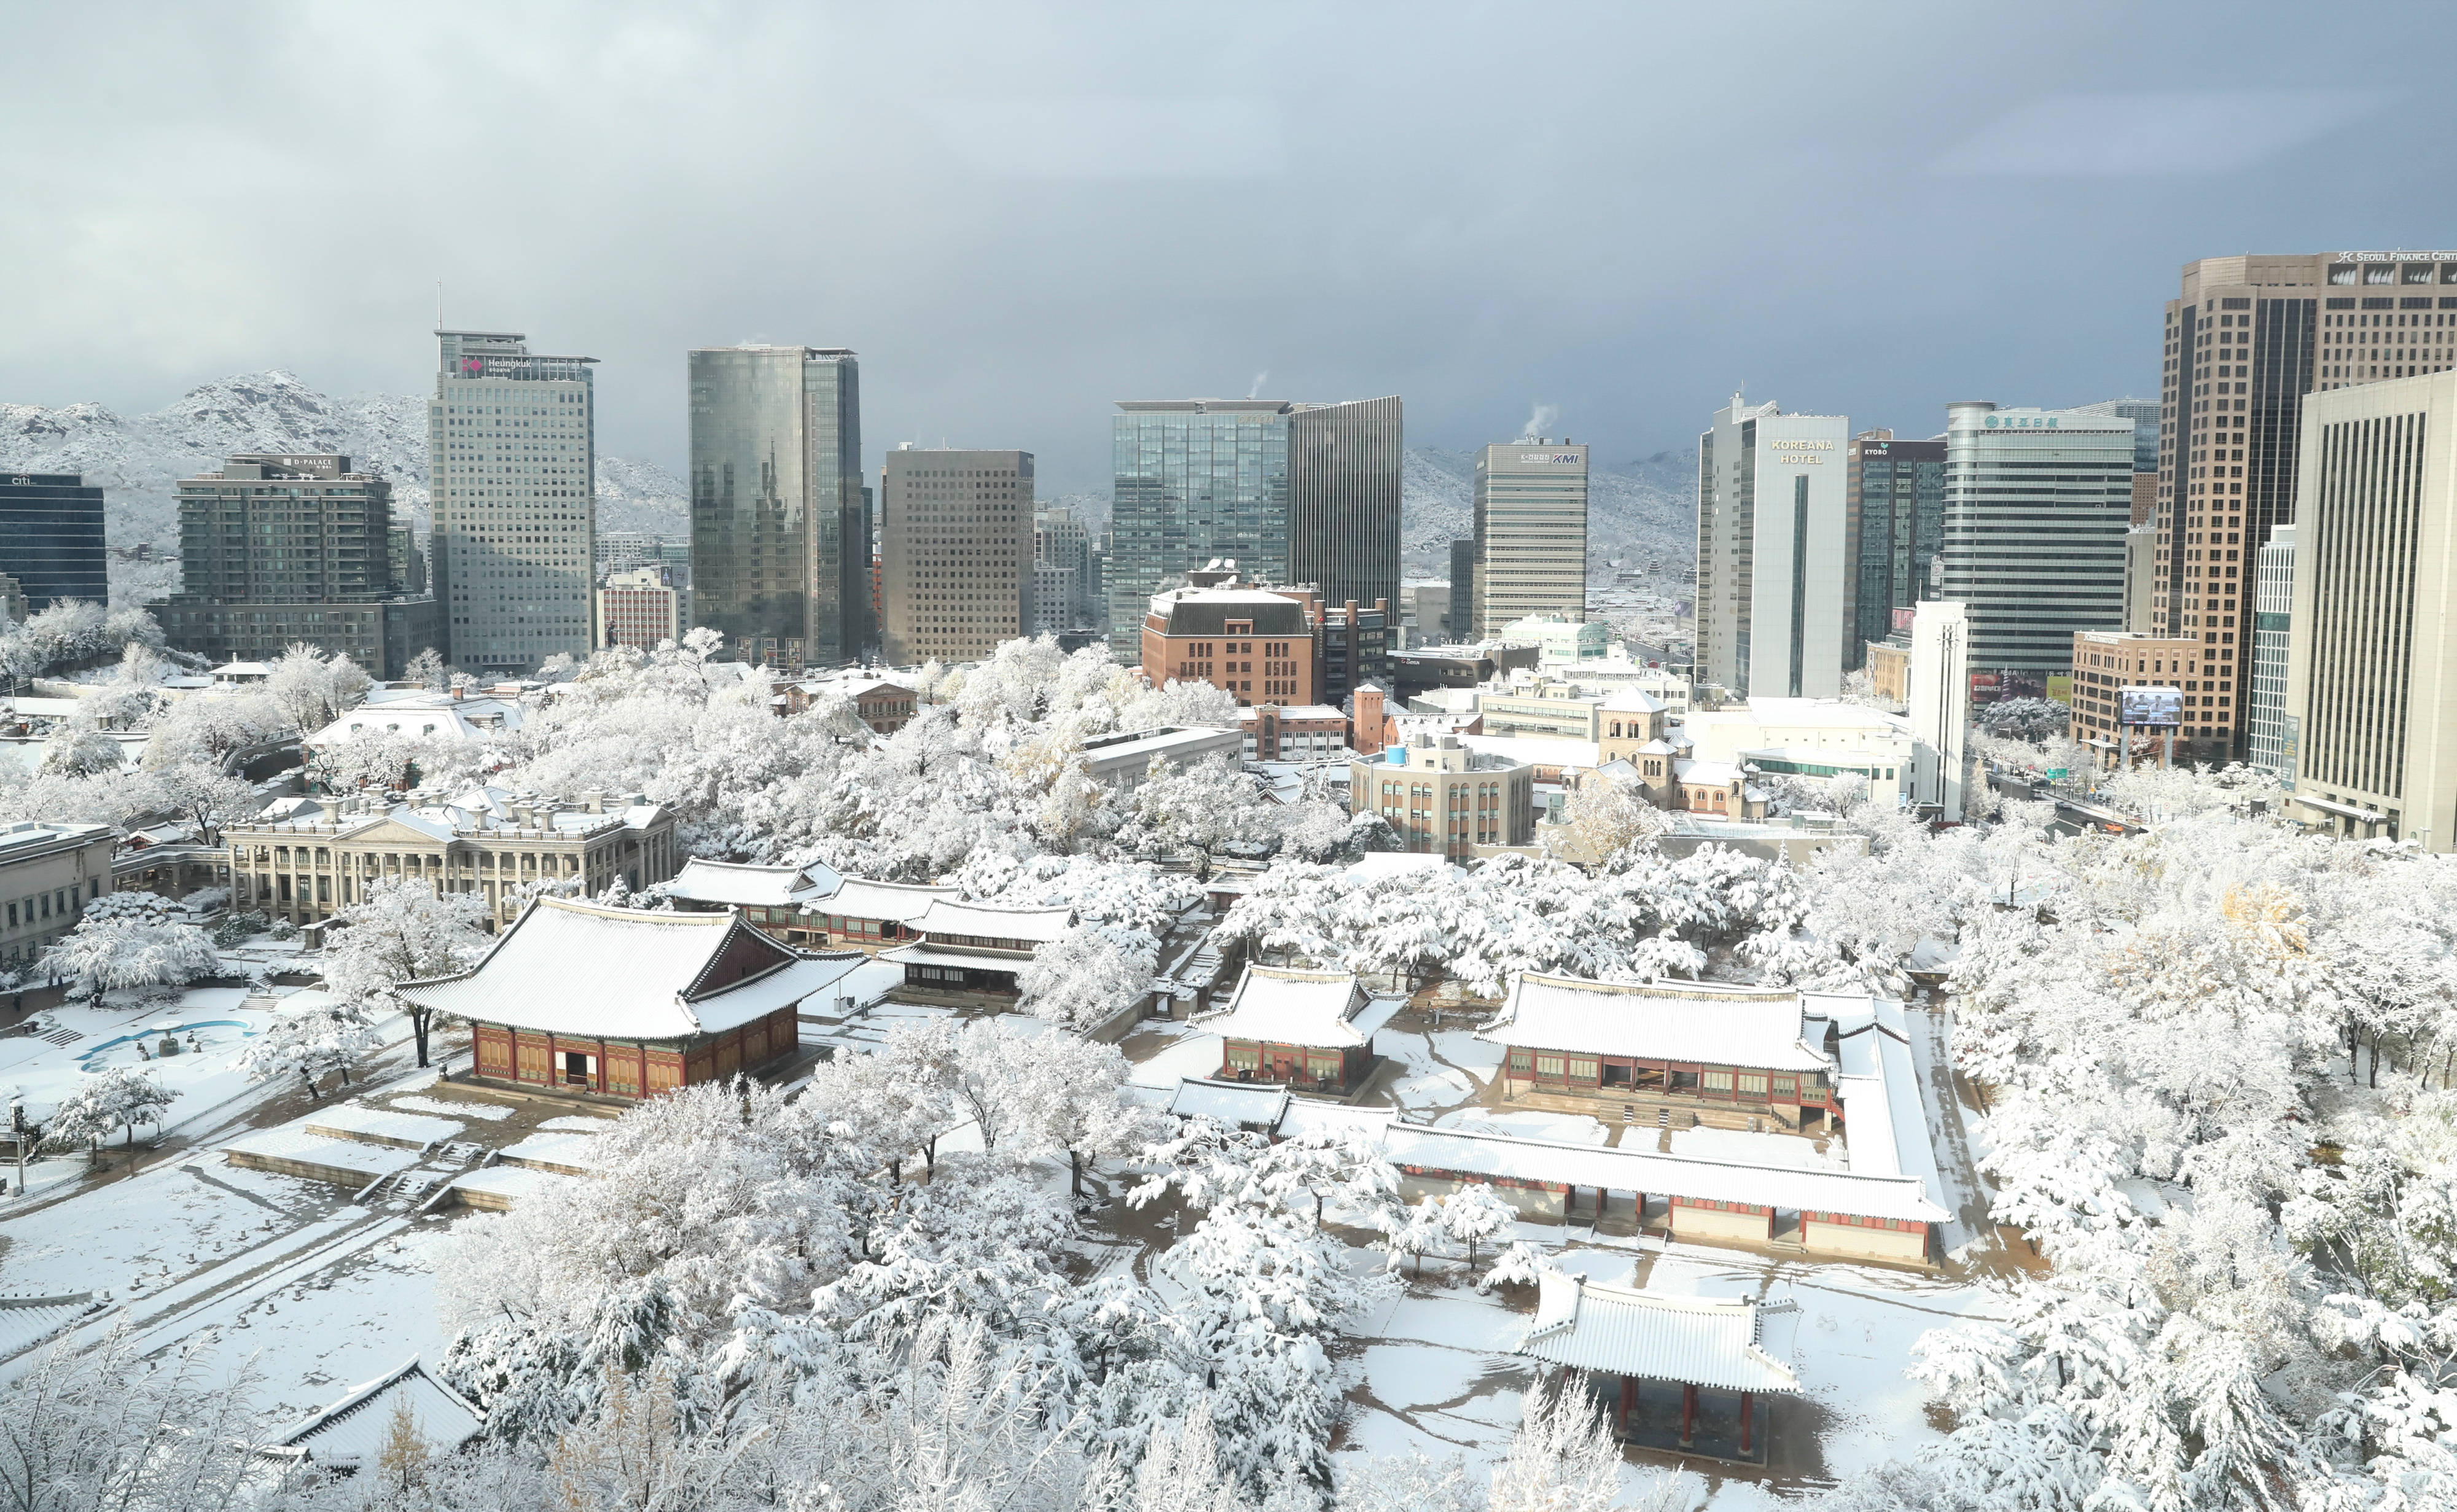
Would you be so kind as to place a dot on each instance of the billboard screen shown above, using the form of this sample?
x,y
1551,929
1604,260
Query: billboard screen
x,y
2163,706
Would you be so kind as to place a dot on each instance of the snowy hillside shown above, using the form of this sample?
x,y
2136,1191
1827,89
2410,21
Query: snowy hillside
x,y
140,460
1647,507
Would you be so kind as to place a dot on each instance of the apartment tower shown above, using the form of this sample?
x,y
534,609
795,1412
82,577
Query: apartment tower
x,y
512,448
780,528
2371,683
1530,532
2244,342
2037,506
955,554
2270,733
277,549
1775,566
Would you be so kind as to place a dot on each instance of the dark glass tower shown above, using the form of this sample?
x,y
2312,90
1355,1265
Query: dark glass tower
x,y
1895,503
1192,480
1344,498
780,521
50,537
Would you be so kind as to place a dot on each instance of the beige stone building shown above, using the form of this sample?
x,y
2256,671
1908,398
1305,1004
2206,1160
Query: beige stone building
x,y
955,553
48,875
1445,799
2370,721
501,845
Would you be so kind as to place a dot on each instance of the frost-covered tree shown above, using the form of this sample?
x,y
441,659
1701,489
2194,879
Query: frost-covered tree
x,y
100,1429
401,931
313,690
110,949
309,1041
1602,817
114,1099
1088,975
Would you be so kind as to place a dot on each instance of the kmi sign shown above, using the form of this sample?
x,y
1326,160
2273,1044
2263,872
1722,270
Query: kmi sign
x,y
1556,458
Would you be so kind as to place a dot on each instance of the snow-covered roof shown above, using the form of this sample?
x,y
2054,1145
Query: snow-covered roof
x,y
1692,1022
1471,1153
1534,750
566,1151
746,886
358,1120
1317,1009
971,957
1878,1083
1127,753
1630,701
1712,1341
994,921
426,714
1712,774
353,1430
624,973
25,1321
1373,866
1253,713
1261,1104
898,902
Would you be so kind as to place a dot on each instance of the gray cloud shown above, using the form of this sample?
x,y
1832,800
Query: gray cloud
x,y
2157,132
1018,214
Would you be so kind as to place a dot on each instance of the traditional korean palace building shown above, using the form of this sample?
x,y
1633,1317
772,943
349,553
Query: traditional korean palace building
x,y
626,1003
1687,1374
1307,1030
1888,1203
1674,1053
774,899
867,914
968,953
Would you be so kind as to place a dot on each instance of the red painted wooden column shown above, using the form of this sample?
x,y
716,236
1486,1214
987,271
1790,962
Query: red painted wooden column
x,y
1748,1419
1688,1413
1629,1400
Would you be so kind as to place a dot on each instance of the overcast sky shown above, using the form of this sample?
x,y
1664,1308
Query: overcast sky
x,y
1019,214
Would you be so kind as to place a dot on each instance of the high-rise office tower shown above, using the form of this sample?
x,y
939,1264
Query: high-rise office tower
x,y
2268,740
955,553
1460,623
639,606
407,561
1894,501
1061,556
780,532
1344,498
275,549
513,447
2371,684
50,537
1775,571
2037,505
1530,532
2247,338
1192,481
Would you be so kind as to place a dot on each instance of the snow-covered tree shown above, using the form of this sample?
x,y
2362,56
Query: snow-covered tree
x,y
1088,975
110,949
114,1099
313,690
401,931
309,1040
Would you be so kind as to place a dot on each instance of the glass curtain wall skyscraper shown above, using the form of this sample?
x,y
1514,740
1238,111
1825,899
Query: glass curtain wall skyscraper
x,y
1192,480
50,537
1344,498
2037,506
1895,504
512,453
780,543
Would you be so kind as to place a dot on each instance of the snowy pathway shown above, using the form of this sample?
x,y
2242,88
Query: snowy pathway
x,y
1932,1053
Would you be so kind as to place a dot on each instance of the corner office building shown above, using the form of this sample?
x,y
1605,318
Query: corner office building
x,y
2037,506
2371,684
513,449
277,549
955,553
1531,533
781,524
2246,339
51,537
1775,568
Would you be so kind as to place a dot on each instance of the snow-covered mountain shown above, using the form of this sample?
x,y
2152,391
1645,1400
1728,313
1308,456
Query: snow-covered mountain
x,y
140,460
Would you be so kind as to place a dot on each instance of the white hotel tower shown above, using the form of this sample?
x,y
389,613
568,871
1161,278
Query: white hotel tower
x,y
513,444
1774,616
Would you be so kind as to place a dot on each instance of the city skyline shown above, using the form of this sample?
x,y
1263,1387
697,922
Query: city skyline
x,y
1098,238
